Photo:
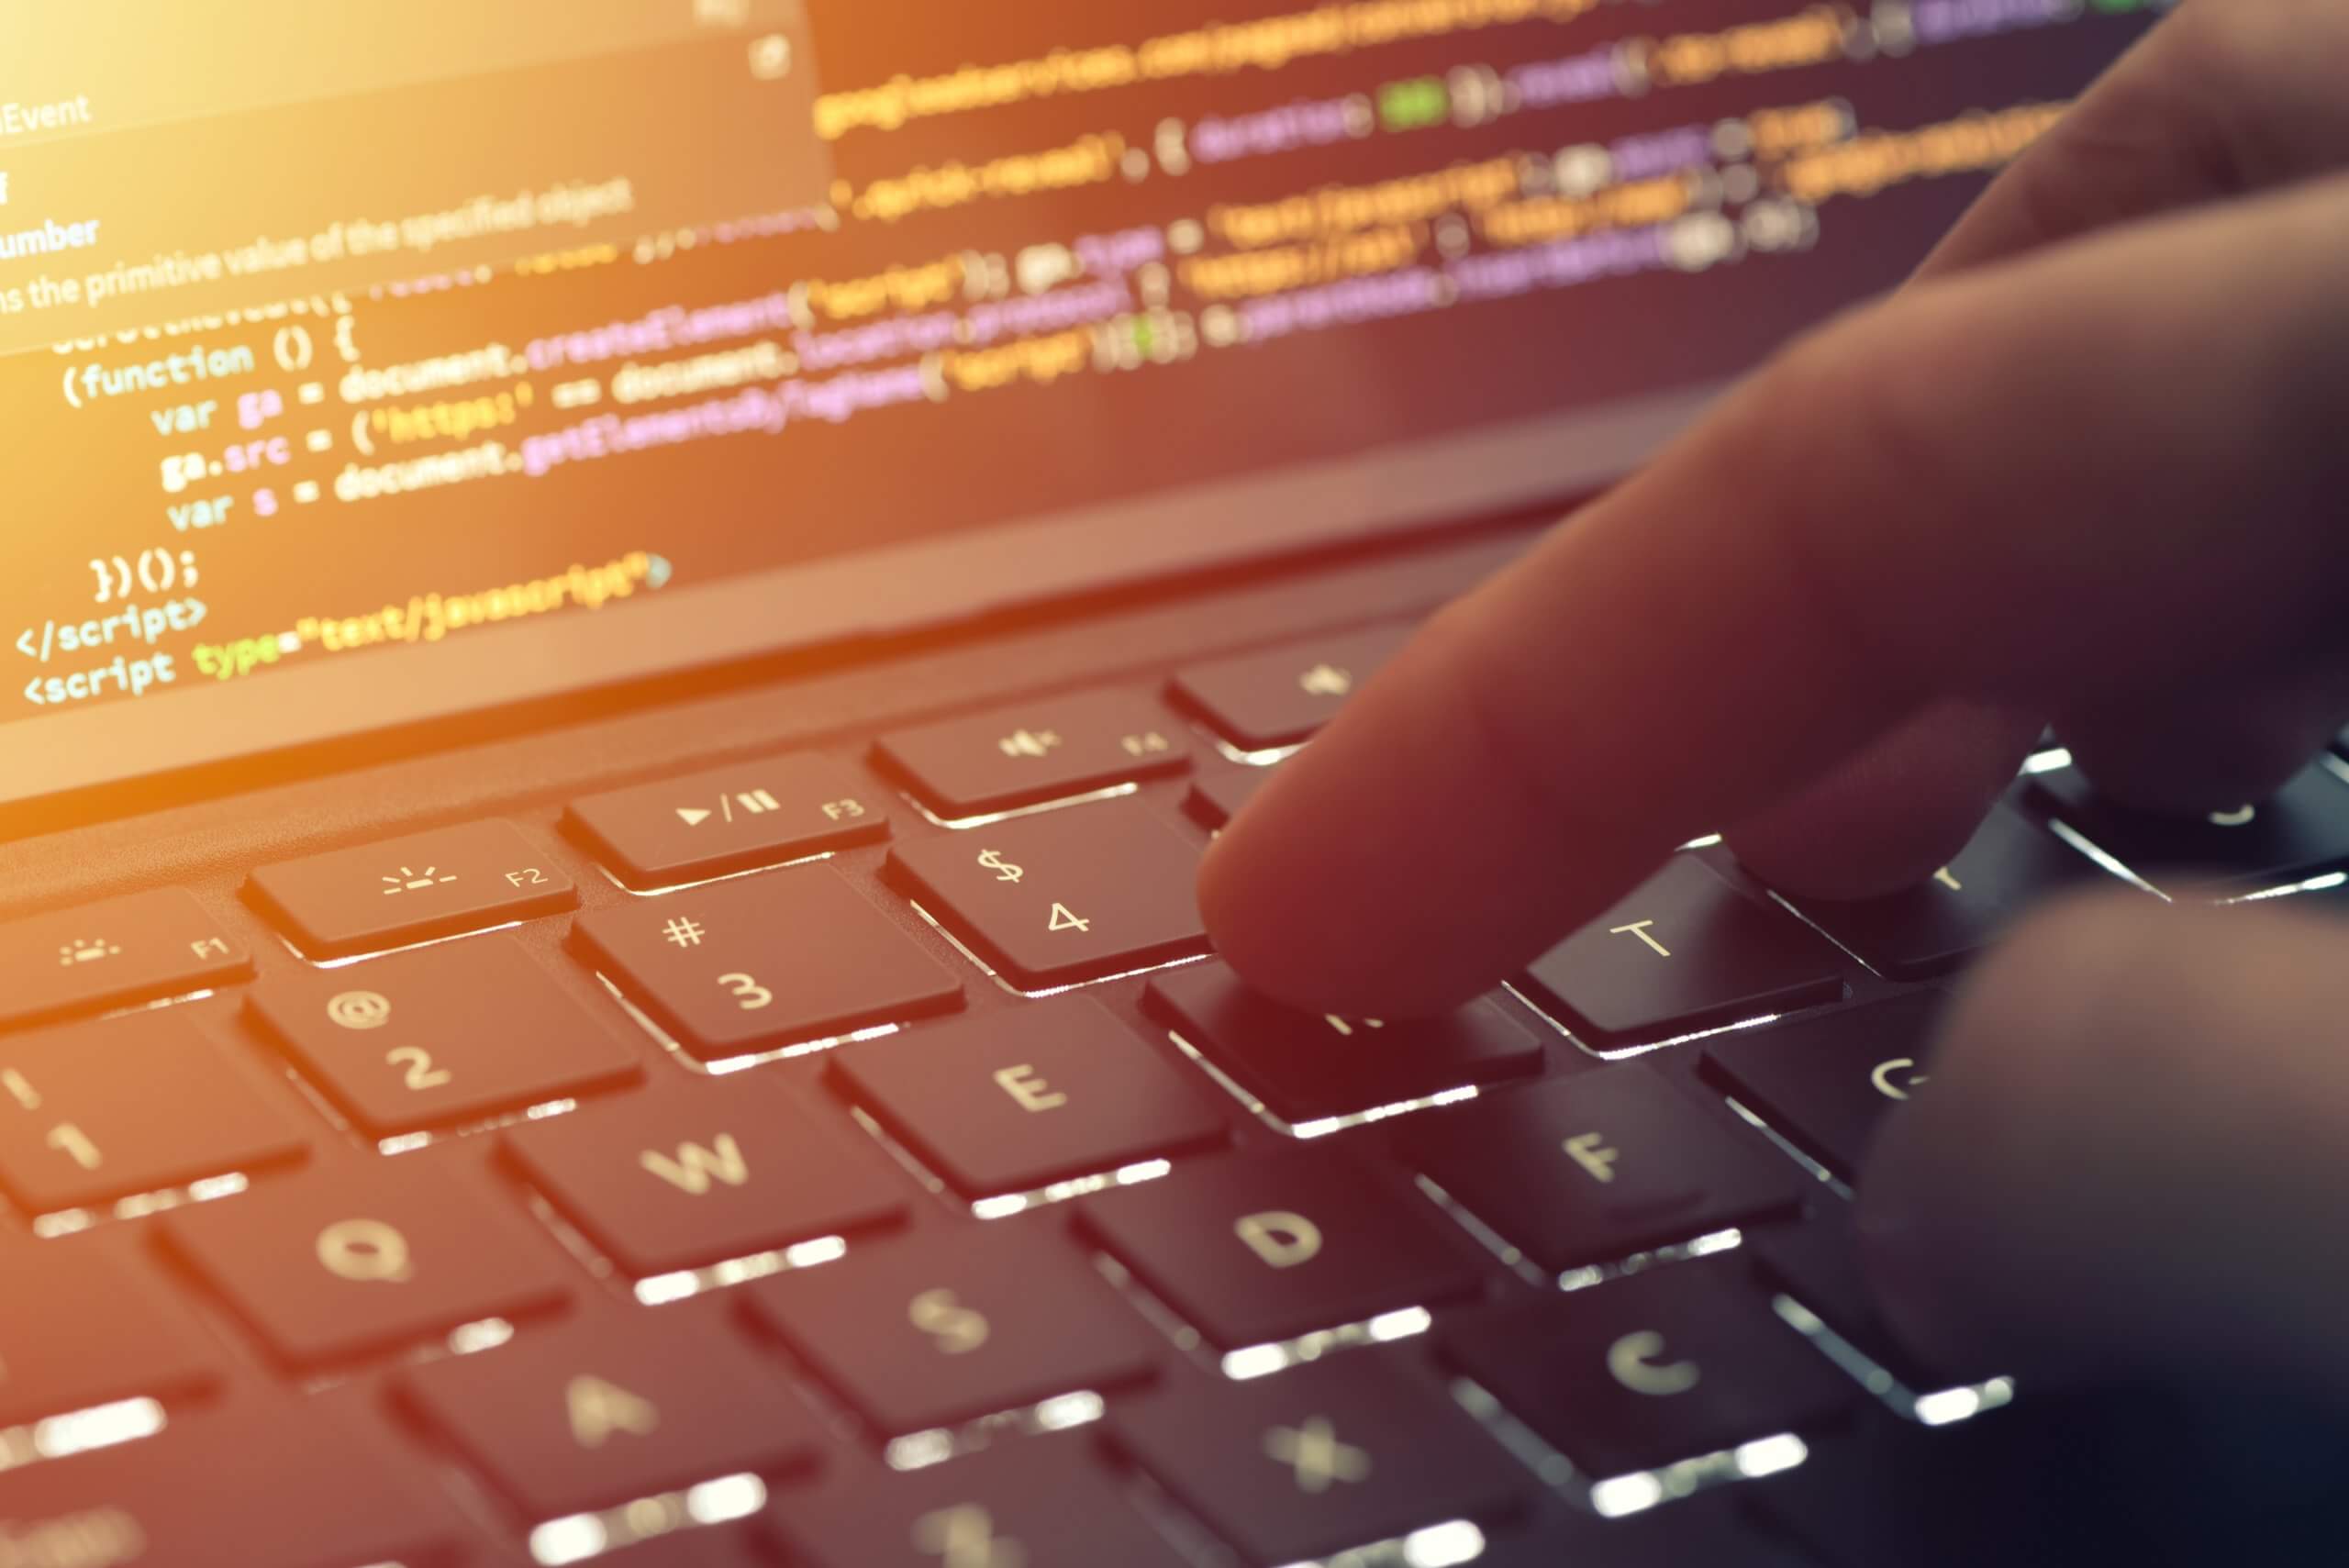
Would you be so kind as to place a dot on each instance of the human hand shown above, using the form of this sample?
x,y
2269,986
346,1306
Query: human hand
x,y
2091,465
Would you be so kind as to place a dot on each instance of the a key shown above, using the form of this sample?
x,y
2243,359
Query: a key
x,y
1282,695
939,1330
595,1414
115,953
441,1037
1322,1459
1824,1083
127,1106
2295,834
1307,1066
1037,1503
1684,952
2010,865
1596,1167
1216,799
1256,1251
264,1486
1063,897
1046,749
728,820
707,1171
1818,1265
1666,1365
334,1266
1014,1100
438,883
766,962
79,1328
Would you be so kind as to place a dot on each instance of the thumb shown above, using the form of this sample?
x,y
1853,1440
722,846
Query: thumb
x,y
2132,1156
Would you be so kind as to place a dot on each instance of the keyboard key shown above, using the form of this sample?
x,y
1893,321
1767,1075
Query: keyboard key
x,y
1046,749
592,1414
334,1266
728,819
771,962
2011,864
115,953
265,1486
1064,897
1704,1531
1818,1265
1684,952
1594,1168
1037,1503
1255,1250
1823,1083
706,1170
79,1329
1014,1100
2300,831
1305,1065
439,884
1217,798
1319,1459
1663,1365
129,1105
1281,695
939,1330
442,1036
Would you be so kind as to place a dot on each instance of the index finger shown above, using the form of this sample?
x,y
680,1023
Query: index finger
x,y
1992,487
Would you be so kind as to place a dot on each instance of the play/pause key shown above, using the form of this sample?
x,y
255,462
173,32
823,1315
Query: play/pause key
x,y
728,820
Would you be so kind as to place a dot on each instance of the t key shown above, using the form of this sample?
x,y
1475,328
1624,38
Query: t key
x,y
1684,951
1040,751
1063,897
113,954
749,966
439,884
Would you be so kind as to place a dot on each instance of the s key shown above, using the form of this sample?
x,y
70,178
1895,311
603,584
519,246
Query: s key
x,y
1063,897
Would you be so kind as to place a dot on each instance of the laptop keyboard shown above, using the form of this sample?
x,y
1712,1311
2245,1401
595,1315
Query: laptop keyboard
x,y
857,1158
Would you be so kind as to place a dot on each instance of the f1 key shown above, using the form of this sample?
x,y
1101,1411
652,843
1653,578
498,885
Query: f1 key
x,y
1063,897
727,820
1040,751
439,884
116,953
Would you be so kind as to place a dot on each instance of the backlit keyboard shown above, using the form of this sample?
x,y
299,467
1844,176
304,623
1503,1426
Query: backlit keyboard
x,y
857,1158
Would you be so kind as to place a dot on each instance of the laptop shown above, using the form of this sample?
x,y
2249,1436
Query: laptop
x,y
625,624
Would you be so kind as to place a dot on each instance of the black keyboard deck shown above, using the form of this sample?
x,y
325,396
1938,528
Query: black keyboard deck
x,y
857,1158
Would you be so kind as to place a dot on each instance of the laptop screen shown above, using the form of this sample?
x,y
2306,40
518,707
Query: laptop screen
x,y
365,362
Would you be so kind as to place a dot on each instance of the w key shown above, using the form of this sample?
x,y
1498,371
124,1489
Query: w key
x,y
1064,897
441,1037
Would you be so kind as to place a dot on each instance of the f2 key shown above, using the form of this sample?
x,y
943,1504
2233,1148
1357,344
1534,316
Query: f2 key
x,y
439,884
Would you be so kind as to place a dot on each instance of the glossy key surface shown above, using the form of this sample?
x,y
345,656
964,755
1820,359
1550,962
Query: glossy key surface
x,y
1307,1065
441,1036
1265,1249
1666,1365
616,1407
1825,1083
2299,831
1340,1453
79,1328
1046,750
389,895
1015,1099
767,961
1683,953
1063,897
725,820
99,1111
114,953
707,1170
1216,799
1595,1167
1278,697
335,1264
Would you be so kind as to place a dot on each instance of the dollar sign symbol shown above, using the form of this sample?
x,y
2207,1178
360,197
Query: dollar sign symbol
x,y
957,1329
1004,871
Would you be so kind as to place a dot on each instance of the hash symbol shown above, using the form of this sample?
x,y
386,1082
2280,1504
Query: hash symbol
x,y
685,933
